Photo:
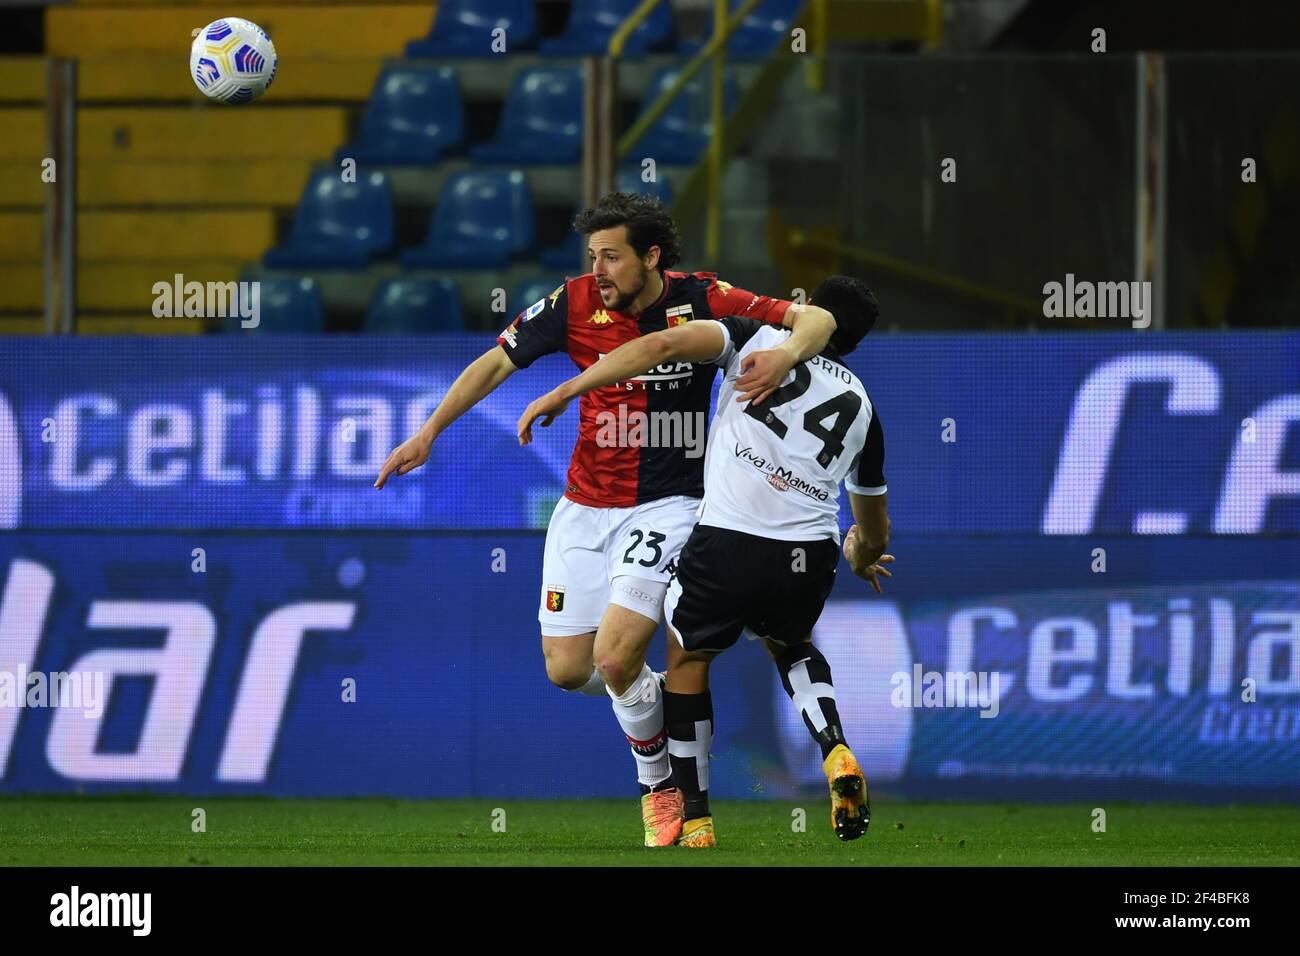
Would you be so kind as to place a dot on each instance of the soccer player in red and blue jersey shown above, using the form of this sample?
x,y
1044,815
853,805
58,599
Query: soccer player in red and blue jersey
x,y
629,504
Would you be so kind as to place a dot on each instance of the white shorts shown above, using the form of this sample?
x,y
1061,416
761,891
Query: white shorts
x,y
601,556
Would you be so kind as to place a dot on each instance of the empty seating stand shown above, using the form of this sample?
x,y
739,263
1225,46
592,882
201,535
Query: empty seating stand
x,y
285,306
338,225
415,114
465,28
483,220
756,36
541,123
681,134
531,291
592,23
415,306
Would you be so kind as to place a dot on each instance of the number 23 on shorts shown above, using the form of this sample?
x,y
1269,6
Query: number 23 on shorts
x,y
646,548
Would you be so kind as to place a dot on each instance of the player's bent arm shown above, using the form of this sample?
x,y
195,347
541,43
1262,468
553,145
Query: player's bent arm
x,y
871,516
696,342
811,328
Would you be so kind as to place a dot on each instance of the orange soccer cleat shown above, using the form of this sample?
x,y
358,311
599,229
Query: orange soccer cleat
x,y
850,803
662,812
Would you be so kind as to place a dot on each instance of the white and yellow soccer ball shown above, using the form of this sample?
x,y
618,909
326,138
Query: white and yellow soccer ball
x,y
232,60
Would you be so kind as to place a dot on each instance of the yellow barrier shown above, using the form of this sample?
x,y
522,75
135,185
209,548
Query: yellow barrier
x,y
298,31
258,182
171,235
308,132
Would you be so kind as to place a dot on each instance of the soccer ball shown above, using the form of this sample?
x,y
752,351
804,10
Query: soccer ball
x,y
232,60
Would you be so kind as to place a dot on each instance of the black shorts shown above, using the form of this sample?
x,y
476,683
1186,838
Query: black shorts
x,y
727,581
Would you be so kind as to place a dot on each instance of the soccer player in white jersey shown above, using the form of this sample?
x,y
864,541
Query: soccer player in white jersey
x,y
762,557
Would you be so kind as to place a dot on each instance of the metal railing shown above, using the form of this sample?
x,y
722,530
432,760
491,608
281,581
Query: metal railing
x,y
715,51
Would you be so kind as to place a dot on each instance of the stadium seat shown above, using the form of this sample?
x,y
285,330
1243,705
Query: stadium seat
x,y
285,306
464,28
593,22
413,116
338,225
681,134
629,180
758,34
482,221
415,306
569,255
541,123
530,291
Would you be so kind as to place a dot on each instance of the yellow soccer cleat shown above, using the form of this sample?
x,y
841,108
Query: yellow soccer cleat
x,y
850,803
662,812
698,834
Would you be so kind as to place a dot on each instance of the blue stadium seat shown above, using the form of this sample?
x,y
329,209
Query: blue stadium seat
x,y
482,221
464,28
568,257
541,123
629,180
338,225
285,306
593,22
415,306
530,291
414,114
758,34
680,136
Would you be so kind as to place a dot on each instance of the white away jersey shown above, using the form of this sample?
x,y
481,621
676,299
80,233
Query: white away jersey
x,y
774,470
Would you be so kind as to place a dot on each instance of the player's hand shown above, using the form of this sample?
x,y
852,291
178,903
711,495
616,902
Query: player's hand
x,y
761,374
869,572
410,454
549,407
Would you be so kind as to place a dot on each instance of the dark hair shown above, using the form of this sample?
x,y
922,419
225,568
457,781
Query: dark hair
x,y
854,307
648,224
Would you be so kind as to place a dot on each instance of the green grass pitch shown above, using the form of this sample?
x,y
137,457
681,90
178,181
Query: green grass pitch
x,y
157,831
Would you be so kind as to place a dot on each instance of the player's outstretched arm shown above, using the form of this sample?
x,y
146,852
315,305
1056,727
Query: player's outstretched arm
x,y
697,342
865,542
762,372
474,384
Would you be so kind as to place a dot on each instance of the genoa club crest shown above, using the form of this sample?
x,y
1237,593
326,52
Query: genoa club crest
x,y
679,315
555,599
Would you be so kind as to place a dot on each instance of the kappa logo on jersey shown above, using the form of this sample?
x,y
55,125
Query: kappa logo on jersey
x,y
679,315
508,333
600,317
724,287
555,295
555,599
